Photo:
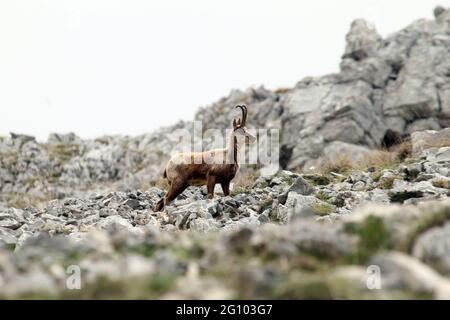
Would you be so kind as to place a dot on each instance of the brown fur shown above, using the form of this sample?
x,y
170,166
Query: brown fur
x,y
180,176
197,169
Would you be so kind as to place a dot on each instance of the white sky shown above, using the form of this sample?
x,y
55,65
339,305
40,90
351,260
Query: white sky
x,y
108,66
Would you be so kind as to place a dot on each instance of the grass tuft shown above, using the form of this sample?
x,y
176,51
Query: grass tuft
x,y
373,236
322,208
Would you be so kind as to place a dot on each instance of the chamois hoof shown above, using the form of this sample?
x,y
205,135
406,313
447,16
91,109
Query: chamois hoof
x,y
159,206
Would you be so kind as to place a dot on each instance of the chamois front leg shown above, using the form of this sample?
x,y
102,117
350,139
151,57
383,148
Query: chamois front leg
x,y
225,188
211,183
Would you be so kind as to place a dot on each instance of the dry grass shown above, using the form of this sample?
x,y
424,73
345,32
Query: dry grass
x,y
160,183
438,142
21,201
441,183
244,180
382,158
282,90
388,157
387,183
442,142
403,150
323,208
341,164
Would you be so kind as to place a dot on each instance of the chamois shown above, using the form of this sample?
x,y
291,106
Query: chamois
x,y
208,167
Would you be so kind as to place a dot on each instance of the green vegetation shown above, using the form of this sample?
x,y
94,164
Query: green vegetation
x,y
316,286
426,222
150,287
373,236
63,153
387,183
8,159
267,204
321,195
238,190
317,179
301,286
143,249
22,201
289,180
322,208
16,201
375,176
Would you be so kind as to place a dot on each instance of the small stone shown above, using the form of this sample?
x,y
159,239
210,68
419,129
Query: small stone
x,y
300,186
359,186
133,203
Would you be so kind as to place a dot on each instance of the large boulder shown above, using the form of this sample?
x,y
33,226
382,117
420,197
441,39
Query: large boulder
x,y
362,41
433,247
423,140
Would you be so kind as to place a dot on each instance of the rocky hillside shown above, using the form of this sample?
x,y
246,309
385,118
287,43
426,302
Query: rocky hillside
x,y
341,204
386,89
286,236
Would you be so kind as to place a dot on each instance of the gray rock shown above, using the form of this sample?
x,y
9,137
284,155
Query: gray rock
x,y
362,41
7,237
386,89
114,224
438,11
423,124
442,155
35,281
359,186
433,247
309,236
69,138
354,153
398,83
300,186
424,140
400,270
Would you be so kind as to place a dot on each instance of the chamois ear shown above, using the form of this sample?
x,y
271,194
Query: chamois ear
x,y
234,124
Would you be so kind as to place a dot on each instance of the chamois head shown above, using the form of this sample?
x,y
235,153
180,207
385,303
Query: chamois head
x,y
240,126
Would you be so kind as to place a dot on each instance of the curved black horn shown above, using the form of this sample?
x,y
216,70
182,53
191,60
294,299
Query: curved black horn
x,y
244,114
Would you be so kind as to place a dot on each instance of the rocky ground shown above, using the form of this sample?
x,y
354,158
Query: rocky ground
x,y
350,194
386,89
288,235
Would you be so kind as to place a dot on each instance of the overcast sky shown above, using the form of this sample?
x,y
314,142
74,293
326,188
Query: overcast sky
x,y
127,67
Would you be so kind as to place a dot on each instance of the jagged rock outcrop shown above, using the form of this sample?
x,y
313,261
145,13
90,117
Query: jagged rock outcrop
x,y
89,204
386,89
399,84
284,222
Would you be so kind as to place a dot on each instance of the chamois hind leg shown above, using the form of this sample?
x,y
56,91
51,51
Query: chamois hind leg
x,y
211,184
175,189
159,205
225,188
